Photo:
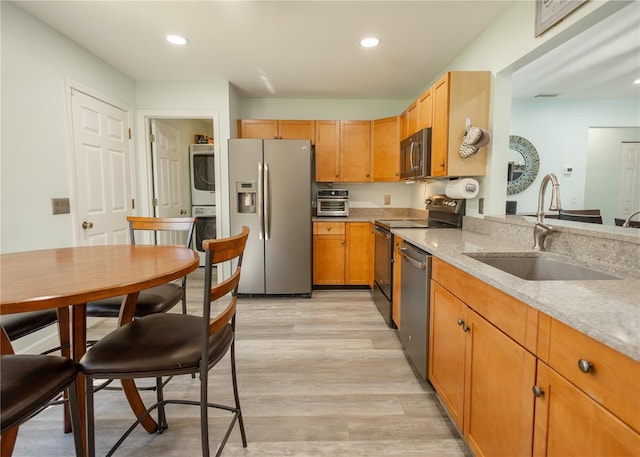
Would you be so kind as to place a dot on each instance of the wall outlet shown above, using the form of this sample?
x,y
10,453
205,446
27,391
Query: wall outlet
x,y
387,199
481,205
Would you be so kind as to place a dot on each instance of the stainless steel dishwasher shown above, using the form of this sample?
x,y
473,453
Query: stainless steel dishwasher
x,y
414,311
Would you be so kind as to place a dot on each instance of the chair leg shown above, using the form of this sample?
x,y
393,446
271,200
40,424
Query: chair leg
x,y
235,393
75,418
91,433
204,408
8,441
162,417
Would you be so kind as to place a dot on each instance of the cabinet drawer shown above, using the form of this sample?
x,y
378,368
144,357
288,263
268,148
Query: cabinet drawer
x,y
613,379
328,228
513,317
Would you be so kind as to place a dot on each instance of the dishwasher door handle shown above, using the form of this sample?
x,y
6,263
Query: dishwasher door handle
x,y
411,260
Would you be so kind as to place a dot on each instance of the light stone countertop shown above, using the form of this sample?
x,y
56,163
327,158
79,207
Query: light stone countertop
x,y
605,310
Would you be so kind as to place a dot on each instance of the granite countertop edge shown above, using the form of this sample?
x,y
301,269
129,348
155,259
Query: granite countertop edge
x,y
607,311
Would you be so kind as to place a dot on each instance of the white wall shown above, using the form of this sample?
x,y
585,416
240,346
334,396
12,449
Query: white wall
x,y
559,130
36,153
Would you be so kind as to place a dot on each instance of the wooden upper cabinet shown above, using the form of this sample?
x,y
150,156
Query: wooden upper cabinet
x,y
404,125
386,149
412,118
267,129
355,151
458,96
327,151
263,129
425,109
343,150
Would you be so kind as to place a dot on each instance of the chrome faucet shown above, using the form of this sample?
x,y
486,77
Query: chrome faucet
x,y
542,230
628,220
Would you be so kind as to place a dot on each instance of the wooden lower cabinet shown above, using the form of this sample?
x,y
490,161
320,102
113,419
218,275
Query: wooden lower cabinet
x,y
569,423
483,377
511,394
342,253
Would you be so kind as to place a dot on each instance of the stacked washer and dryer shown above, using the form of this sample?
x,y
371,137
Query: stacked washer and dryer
x,y
203,194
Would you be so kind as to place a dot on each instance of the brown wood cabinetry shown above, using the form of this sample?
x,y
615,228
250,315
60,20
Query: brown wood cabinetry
x,y
456,97
425,109
386,149
483,376
342,253
328,253
277,129
343,150
494,361
586,384
412,118
397,260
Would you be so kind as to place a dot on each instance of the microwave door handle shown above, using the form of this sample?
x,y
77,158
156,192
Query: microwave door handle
x,y
411,156
267,204
260,202
415,145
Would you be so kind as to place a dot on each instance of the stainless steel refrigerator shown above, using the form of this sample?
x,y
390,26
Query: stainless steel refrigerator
x,y
270,192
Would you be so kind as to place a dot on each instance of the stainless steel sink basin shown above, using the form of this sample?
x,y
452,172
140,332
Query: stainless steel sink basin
x,y
539,267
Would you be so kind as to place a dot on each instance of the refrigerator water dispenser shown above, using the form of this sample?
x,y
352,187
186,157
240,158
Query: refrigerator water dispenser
x,y
246,197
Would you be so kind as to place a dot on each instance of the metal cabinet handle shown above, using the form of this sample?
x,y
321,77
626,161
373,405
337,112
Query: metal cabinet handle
x,y
460,322
585,366
87,225
465,327
537,392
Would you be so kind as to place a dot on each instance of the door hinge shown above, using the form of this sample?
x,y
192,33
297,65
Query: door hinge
x,y
133,203
155,202
130,134
152,138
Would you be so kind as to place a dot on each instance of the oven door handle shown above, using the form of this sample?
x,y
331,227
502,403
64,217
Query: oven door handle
x,y
411,260
382,232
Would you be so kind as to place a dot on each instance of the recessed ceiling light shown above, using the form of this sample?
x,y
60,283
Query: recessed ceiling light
x,y
176,39
369,42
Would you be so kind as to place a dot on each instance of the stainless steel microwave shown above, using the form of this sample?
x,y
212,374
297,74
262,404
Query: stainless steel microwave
x,y
415,156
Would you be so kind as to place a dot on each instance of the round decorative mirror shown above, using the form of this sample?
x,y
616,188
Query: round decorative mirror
x,y
523,164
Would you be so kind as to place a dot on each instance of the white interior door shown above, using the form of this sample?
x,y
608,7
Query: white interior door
x,y
629,180
102,170
167,171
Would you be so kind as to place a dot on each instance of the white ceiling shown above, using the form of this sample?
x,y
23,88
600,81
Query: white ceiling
x,y
309,49
602,62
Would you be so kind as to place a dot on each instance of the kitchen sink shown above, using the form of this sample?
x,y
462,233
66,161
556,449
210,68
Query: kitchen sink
x,y
539,267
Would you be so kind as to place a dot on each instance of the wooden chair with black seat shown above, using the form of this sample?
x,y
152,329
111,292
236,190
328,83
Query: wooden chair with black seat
x,y
161,298
28,383
19,325
172,344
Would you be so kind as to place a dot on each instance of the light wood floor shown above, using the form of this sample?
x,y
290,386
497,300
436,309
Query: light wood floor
x,y
317,377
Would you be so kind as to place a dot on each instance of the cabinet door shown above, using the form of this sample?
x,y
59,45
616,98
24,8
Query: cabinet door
x,y
386,149
397,261
264,129
499,376
425,110
412,118
447,350
328,259
355,151
440,127
570,424
298,130
358,255
327,151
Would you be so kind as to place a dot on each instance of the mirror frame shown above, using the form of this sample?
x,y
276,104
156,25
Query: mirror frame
x,y
531,164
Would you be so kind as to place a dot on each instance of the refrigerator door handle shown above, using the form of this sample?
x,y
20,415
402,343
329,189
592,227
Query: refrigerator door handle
x,y
267,209
260,202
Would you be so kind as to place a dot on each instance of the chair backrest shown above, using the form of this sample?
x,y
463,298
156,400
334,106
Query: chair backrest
x,y
178,230
582,215
218,251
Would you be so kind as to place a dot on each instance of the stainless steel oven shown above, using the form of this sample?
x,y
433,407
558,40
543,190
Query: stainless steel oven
x,y
332,202
444,212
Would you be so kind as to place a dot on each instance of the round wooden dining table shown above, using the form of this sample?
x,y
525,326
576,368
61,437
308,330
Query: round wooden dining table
x,y
68,278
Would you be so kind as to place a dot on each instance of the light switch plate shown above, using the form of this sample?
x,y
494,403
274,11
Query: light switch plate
x,y
387,199
60,206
